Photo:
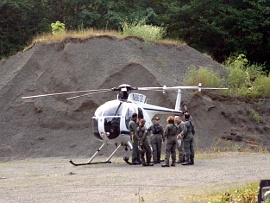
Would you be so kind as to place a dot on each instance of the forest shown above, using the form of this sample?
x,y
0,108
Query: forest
x,y
220,28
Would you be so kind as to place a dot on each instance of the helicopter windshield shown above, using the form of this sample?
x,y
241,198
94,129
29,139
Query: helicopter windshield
x,y
112,126
114,109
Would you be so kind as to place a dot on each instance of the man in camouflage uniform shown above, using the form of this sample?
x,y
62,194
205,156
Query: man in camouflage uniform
x,y
188,140
180,142
170,133
134,139
143,143
156,131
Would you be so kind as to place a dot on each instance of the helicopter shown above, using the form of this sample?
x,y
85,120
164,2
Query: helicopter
x,y
111,119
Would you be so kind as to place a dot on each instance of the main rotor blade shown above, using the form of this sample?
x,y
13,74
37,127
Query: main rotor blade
x,y
214,88
167,88
70,98
61,93
199,87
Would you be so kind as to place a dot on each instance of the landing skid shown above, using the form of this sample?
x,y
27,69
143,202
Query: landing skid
x,y
87,163
94,155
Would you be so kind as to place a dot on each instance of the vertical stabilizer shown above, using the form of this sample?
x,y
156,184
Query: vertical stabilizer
x,y
178,100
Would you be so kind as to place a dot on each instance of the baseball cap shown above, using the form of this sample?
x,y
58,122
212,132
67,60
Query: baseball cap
x,y
156,118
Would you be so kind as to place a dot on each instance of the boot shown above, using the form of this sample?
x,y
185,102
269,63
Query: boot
x,y
191,160
181,160
187,162
145,164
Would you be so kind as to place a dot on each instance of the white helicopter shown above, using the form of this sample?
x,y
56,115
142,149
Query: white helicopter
x,y
110,121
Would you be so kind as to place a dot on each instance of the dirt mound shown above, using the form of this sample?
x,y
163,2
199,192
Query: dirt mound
x,y
56,127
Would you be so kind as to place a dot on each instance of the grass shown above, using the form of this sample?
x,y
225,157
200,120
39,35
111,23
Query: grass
x,y
235,194
82,34
254,115
247,145
244,194
148,33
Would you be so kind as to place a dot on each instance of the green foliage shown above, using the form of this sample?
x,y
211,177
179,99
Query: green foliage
x,y
245,79
58,27
203,75
223,27
248,194
261,87
149,33
237,77
20,20
219,28
254,115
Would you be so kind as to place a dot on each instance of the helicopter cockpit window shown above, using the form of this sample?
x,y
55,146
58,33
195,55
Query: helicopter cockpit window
x,y
113,109
128,116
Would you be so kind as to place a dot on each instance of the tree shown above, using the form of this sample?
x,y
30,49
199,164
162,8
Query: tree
x,y
19,21
223,27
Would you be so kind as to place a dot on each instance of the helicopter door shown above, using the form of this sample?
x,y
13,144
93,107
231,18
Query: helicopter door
x,y
128,115
140,113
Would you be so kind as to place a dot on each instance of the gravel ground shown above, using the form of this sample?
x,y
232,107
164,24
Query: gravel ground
x,y
56,180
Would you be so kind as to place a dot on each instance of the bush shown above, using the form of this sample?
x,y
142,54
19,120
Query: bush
x,y
58,27
237,75
261,87
203,75
140,29
246,80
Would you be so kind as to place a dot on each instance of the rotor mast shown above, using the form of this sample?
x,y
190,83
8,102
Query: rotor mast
x,y
124,90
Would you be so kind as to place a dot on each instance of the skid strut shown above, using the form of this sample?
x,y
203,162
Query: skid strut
x,y
94,155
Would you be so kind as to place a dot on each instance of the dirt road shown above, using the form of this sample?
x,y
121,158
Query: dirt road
x,y
56,180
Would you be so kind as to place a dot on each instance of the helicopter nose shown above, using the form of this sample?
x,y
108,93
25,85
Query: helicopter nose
x,y
95,128
112,127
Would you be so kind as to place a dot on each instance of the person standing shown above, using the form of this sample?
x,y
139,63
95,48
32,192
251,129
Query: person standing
x,y
188,139
170,134
180,142
134,139
156,131
143,143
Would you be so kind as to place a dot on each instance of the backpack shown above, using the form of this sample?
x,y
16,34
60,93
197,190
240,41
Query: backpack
x,y
192,128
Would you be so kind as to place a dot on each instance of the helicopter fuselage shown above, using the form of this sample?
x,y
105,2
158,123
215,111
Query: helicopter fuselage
x,y
111,119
